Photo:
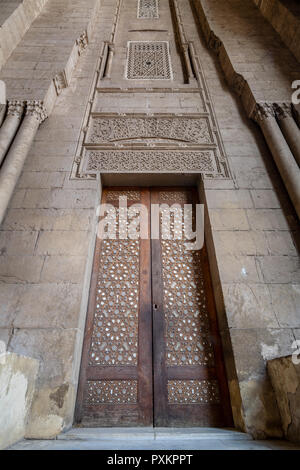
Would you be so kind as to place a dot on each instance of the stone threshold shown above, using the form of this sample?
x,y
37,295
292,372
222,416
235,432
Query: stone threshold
x,y
152,433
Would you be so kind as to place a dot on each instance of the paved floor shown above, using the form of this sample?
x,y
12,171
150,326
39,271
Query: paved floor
x,y
153,439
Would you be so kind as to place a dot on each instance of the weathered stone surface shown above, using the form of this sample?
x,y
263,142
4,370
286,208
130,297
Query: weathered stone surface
x,y
45,237
50,412
285,378
17,385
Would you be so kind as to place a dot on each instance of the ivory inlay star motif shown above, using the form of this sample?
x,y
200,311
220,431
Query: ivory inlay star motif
x,y
168,129
187,331
115,328
147,9
151,161
148,61
187,392
110,391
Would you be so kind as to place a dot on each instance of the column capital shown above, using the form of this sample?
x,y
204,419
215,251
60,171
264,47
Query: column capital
x,y
262,111
37,109
15,108
282,110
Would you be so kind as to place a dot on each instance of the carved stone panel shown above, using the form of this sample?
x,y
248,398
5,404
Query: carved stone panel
x,y
150,161
190,130
148,61
147,9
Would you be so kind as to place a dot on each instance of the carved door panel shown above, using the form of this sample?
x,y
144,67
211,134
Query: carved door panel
x,y
152,352
115,387
190,387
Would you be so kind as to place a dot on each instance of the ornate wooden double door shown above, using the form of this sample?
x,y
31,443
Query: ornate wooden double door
x,y
152,352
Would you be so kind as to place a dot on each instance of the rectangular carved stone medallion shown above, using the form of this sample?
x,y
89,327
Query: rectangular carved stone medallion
x,y
147,9
150,161
148,61
145,129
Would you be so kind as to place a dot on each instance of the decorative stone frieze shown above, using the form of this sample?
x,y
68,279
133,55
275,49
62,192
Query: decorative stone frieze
x,y
60,82
282,110
37,109
82,42
153,161
190,130
263,111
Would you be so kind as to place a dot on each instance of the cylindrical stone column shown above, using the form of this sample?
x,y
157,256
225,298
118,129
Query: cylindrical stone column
x,y
264,115
14,161
289,128
10,126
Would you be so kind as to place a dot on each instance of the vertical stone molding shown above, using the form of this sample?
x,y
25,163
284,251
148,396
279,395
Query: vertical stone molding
x,y
10,126
185,48
109,61
289,128
264,115
14,161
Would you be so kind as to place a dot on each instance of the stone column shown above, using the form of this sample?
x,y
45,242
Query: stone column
x,y
10,126
110,55
14,161
289,128
264,115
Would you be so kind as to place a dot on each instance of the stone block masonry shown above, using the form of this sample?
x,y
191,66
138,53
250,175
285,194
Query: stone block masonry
x,y
46,239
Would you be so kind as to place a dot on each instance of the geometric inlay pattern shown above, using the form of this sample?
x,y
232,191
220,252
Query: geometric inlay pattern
x,y
110,391
187,392
132,195
187,330
193,130
147,9
148,61
167,161
115,329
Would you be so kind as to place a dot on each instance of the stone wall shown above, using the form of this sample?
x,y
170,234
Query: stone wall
x,y
15,19
47,237
285,19
254,226
48,227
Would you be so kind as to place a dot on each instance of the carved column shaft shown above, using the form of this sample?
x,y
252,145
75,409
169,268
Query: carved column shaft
x,y
289,128
14,161
283,157
10,126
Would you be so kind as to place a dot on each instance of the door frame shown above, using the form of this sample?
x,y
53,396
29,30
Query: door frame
x,y
153,180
